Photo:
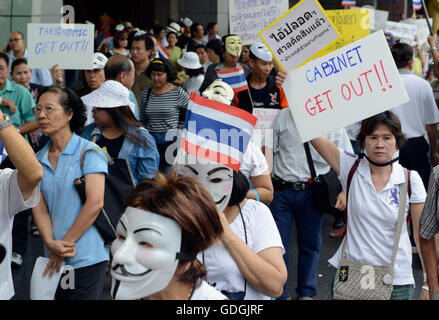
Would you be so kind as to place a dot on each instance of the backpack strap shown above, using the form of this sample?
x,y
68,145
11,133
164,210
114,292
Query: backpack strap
x,y
350,176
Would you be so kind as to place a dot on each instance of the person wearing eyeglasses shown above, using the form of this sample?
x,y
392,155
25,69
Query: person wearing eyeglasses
x,y
17,44
120,42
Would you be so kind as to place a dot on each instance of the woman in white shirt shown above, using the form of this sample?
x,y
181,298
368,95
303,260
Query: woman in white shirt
x,y
373,200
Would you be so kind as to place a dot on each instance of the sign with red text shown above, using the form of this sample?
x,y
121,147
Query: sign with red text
x,y
348,85
265,117
299,34
71,46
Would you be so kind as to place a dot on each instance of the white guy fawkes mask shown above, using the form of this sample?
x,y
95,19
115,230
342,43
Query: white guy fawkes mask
x,y
144,254
216,177
219,91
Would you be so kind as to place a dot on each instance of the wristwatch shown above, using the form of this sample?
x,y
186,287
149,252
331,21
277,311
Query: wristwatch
x,y
6,122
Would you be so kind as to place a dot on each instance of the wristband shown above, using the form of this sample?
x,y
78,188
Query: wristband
x,y
256,194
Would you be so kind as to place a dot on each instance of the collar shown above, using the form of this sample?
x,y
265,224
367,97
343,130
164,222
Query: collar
x,y
73,145
396,177
405,71
9,86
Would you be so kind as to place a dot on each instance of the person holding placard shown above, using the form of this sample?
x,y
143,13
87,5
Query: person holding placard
x,y
293,198
373,182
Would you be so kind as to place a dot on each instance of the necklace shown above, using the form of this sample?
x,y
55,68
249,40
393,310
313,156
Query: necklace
x,y
191,292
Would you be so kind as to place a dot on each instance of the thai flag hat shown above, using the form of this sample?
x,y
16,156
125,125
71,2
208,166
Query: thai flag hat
x,y
216,132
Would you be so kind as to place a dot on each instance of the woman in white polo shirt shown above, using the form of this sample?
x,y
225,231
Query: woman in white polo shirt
x,y
373,199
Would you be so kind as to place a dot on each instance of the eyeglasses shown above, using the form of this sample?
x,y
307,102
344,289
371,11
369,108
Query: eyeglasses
x,y
15,40
47,110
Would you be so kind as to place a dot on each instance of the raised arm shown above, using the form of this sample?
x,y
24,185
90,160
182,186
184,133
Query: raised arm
x,y
328,151
30,171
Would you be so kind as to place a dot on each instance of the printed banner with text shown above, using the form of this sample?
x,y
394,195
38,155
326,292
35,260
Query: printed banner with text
x,y
70,46
299,34
345,86
248,18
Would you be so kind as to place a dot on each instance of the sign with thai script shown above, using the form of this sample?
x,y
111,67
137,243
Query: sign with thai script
x,y
299,34
69,46
352,25
422,29
249,17
265,117
345,86
403,31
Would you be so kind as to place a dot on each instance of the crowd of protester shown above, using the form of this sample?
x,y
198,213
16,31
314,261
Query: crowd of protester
x,y
217,233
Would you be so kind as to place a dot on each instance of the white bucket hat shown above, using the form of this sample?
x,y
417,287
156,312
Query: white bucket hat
x,y
190,60
99,61
174,27
261,51
120,27
111,94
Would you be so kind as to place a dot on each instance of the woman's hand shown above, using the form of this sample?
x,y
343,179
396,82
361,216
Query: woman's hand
x,y
53,265
341,201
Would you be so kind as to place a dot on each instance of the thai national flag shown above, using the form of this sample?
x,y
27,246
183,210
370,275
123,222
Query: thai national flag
x,y
234,78
3,152
348,3
417,4
162,52
216,132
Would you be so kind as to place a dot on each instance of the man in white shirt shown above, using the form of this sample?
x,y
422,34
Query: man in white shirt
x,y
418,117
293,200
18,191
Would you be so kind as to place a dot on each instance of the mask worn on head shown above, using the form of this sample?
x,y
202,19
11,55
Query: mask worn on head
x,y
219,91
234,45
138,271
217,178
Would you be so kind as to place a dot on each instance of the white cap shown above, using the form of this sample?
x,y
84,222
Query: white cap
x,y
187,22
261,51
190,60
174,27
140,33
128,24
99,61
111,94
120,27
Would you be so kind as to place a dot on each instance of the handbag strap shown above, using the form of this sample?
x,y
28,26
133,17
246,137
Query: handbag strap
x,y
84,150
310,162
403,189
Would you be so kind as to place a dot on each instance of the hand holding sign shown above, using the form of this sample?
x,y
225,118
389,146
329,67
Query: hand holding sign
x,y
346,86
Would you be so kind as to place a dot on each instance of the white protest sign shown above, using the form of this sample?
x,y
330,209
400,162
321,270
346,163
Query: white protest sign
x,y
343,87
265,117
248,18
70,47
299,34
422,29
400,31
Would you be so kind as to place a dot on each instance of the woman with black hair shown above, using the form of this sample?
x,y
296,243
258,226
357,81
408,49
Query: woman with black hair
x,y
64,222
163,106
116,129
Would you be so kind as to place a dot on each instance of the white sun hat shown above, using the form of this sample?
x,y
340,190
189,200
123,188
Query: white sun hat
x,y
190,60
99,60
261,51
111,94
174,27
120,27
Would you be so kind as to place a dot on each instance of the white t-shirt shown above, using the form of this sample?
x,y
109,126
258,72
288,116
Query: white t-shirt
x,y
254,163
207,292
421,110
193,84
12,202
262,233
372,218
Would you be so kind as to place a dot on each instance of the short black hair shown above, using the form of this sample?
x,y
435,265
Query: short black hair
x,y
388,119
18,62
402,54
211,25
216,45
5,57
194,27
70,102
241,186
149,43
162,65
194,72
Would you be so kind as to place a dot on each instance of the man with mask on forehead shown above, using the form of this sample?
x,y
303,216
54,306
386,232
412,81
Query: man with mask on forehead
x,y
167,222
248,264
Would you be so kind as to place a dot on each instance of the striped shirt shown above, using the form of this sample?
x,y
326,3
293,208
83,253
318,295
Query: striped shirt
x,y
161,113
429,219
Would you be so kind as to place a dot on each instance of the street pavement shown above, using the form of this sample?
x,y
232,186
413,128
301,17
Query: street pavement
x,y
22,275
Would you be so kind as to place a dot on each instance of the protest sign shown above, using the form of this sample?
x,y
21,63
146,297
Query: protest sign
x,y
69,46
402,31
352,25
248,18
423,31
265,118
299,34
345,86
